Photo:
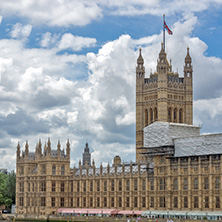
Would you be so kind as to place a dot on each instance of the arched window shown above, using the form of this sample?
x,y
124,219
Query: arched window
x,y
62,170
175,115
151,115
169,114
155,114
180,116
53,169
146,117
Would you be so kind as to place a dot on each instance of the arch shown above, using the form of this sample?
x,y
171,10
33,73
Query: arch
x,y
146,117
180,115
151,115
169,114
155,114
175,115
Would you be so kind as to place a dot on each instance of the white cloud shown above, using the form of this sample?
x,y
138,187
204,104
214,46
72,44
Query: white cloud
x,y
76,43
21,31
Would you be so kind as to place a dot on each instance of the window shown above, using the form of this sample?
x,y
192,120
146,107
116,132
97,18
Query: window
x,y
120,202
53,170
91,201
53,201
185,184
135,184
43,169
105,202
84,186
62,187
151,185
28,187
42,201
112,185
217,202
62,203
156,114
206,202
175,115
120,185
98,202
151,115
105,185
151,201
169,115
84,201
21,201
206,183
162,201
21,186
98,185
217,183
180,116
77,202
71,202
195,202
162,184
91,186
175,202
127,202
143,201
127,185
185,202
71,186
53,186
62,170
144,184
43,186
112,201
195,183
175,184
135,201
77,187
33,187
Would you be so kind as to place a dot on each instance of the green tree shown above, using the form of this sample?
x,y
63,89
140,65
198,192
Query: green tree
x,y
7,188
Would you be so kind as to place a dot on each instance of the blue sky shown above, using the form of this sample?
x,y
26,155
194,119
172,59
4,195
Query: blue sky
x,y
67,70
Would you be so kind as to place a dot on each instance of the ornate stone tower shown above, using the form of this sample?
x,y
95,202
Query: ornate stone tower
x,y
164,96
86,156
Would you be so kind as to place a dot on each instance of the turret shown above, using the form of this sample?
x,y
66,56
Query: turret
x,y
140,70
163,65
86,155
26,149
58,149
68,149
188,69
18,151
48,147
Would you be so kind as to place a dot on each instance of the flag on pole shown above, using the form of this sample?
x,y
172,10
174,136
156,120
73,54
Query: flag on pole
x,y
168,30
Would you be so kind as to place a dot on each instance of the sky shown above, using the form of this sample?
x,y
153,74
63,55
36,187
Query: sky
x,y
67,70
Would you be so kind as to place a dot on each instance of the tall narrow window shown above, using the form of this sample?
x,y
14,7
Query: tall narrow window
x,y
98,185
175,202
146,117
180,116
105,185
206,183
62,170
175,115
185,202
217,202
112,185
62,202
195,202
120,185
169,115
155,114
53,186
135,184
62,186
151,115
84,186
127,185
91,185
206,202
217,183
195,183
53,169
175,184
185,184
144,184
53,201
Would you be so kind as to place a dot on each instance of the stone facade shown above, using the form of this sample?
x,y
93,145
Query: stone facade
x,y
176,167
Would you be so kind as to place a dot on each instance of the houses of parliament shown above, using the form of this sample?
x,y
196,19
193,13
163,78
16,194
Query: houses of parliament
x,y
176,167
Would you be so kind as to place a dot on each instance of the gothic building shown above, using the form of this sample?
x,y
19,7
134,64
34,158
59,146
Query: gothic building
x,y
176,167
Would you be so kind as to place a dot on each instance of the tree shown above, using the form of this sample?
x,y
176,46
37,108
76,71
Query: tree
x,y
10,184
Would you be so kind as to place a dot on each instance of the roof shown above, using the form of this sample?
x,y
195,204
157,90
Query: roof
x,y
201,145
162,133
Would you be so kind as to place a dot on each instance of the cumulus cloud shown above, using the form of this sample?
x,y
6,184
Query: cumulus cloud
x,y
21,31
76,43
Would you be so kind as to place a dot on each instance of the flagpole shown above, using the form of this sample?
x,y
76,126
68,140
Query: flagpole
x,y
164,32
